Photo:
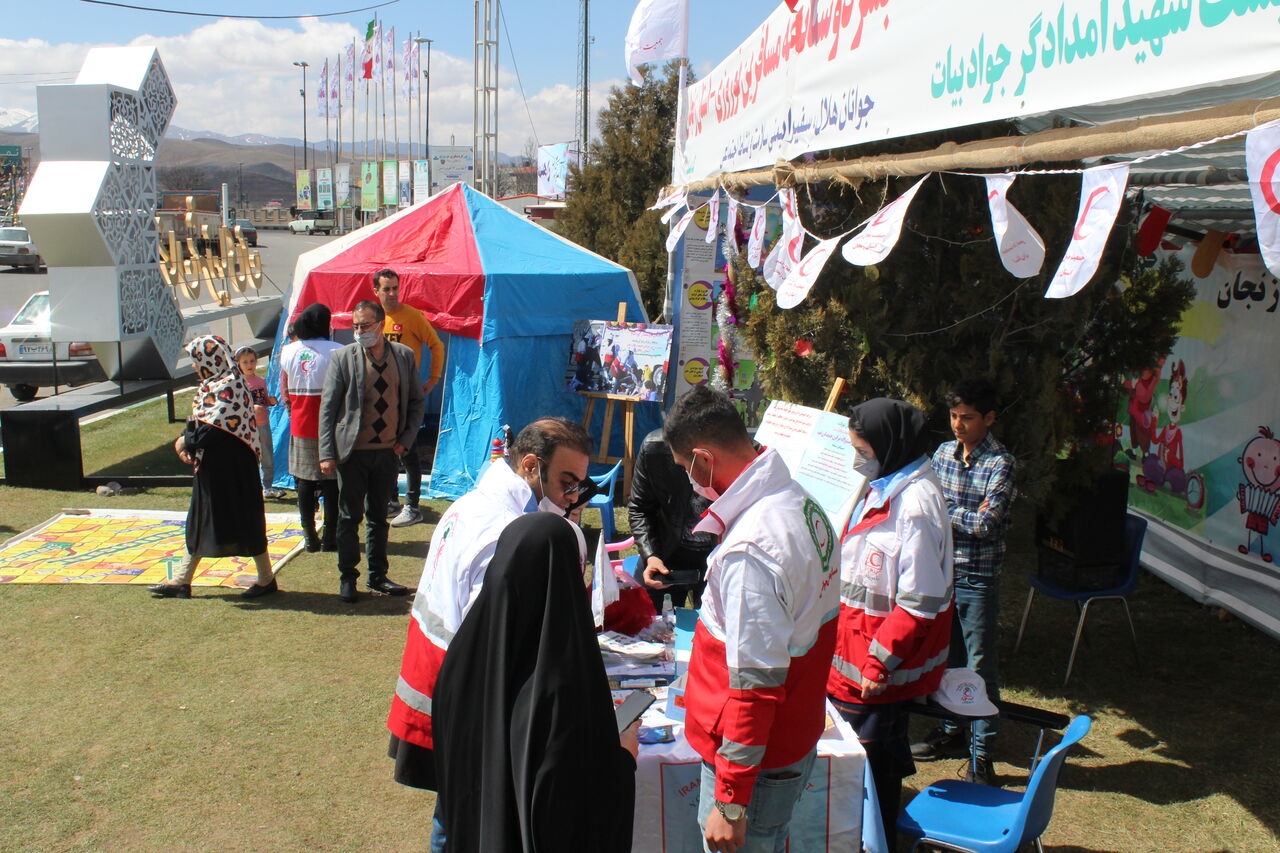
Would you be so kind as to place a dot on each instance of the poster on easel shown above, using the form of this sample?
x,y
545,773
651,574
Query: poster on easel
x,y
625,360
816,447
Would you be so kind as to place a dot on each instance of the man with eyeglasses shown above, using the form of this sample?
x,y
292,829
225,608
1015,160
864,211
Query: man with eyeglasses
x,y
370,411
546,469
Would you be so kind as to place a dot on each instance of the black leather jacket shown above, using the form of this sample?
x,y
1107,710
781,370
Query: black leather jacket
x,y
663,508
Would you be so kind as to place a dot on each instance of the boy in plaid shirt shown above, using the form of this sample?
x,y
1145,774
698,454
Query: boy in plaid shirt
x,y
976,472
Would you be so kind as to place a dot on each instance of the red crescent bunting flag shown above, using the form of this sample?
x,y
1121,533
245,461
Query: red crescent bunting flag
x,y
805,273
670,198
713,217
755,243
1101,192
1021,249
1262,159
786,252
876,240
731,218
671,212
676,233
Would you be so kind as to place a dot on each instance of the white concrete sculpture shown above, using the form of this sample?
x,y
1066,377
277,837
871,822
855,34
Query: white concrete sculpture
x,y
91,208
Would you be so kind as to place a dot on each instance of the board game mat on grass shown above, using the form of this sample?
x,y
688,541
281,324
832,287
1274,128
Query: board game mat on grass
x,y
131,546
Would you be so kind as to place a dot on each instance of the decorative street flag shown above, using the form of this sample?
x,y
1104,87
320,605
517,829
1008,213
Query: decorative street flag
x,y
1101,192
657,32
755,243
805,273
335,87
876,240
1021,249
349,74
377,54
366,57
389,55
673,237
406,65
1261,157
713,217
322,92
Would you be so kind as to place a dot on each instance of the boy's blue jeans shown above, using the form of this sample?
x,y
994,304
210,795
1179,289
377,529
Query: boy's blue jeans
x,y
973,644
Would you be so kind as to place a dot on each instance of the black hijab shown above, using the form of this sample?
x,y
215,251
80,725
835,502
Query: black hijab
x,y
894,429
526,745
313,322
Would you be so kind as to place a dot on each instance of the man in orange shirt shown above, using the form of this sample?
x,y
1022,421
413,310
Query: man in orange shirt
x,y
407,325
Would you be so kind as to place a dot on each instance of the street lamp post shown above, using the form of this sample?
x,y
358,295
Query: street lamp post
x,y
240,185
426,127
304,66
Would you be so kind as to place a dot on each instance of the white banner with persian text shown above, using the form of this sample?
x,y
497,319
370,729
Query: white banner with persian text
x,y
837,72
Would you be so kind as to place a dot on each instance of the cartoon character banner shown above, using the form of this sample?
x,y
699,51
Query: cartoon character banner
x,y
1200,435
628,359
302,182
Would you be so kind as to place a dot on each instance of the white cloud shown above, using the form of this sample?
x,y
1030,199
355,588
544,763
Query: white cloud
x,y
236,76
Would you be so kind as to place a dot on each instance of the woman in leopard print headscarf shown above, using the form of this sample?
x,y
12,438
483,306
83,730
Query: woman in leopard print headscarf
x,y
226,516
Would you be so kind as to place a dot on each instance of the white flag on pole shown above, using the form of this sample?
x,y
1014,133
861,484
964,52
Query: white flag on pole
x,y
1101,193
377,54
1021,249
876,240
755,243
349,75
673,237
713,217
657,32
1262,157
800,281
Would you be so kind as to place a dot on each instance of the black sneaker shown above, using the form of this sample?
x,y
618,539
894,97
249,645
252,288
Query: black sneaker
x,y
980,772
382,584
393,509
347,590
940,743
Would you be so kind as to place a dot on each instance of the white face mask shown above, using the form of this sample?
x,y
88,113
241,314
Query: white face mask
x,y
708,492
867,466
546,505
369,339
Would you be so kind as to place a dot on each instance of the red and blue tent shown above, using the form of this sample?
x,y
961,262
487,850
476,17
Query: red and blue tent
x,y
504,294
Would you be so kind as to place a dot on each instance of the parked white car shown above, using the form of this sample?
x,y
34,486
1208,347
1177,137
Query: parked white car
x,y
312,222
17,250
27,361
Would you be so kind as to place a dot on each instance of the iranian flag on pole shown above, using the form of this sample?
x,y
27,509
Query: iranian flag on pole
x,y
366,58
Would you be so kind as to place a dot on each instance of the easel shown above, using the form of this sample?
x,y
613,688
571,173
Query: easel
x,y
834,396
628,425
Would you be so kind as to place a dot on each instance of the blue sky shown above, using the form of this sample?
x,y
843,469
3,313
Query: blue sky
x,y
237,77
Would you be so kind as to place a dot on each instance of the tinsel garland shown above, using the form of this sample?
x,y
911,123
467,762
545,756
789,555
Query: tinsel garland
x,y
727,316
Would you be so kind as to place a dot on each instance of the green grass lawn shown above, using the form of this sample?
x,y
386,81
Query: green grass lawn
x,y
212,724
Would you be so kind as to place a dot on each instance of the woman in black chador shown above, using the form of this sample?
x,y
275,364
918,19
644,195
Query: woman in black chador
x,y
526,743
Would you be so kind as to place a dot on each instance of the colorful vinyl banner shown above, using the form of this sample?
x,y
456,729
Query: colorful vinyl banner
x,y
421,179
405,183
1020,247
836,73
553,168
451,164
390,183
370,186
302,183
324,189
1199,432
342,184
1101,194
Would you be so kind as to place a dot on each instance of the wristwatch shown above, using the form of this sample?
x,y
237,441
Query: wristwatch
x,y
731,812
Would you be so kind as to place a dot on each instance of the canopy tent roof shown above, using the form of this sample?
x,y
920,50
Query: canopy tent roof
x,y
475,268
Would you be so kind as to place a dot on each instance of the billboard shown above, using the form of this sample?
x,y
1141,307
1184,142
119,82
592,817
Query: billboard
x,y
370,185
324,189
405,188
451,164
302,184
421,179
342,184
390,182
553,168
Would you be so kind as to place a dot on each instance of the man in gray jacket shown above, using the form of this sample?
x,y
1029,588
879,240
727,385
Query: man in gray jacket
x,y
369,412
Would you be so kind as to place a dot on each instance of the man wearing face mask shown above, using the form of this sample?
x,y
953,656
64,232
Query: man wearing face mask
x,y
895,598
370,410
757,674
544,470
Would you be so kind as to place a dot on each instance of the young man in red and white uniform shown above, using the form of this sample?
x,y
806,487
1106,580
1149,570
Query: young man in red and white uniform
x,y
896,592
762,649
544,470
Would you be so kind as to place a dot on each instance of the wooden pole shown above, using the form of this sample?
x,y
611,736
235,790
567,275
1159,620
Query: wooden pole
x,y
834,396
1047,146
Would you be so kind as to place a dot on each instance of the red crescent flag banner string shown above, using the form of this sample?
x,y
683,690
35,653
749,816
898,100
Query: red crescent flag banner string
x,y
800,281
673,238
1262,162
755,243
1101,194
713,217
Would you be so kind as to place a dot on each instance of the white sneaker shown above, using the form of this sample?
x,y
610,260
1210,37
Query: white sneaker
x,y
409,515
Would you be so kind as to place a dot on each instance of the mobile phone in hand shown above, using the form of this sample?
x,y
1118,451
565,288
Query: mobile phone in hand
x,y
631,708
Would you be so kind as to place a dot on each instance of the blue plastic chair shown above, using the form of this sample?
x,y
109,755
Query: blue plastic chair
x,y
974,818
604,501
1135,530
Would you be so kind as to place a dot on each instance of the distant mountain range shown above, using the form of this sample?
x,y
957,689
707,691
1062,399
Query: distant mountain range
x,y
17,121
